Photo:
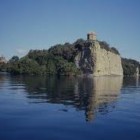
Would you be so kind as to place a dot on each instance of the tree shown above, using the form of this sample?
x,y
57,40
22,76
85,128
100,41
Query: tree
x,y
129,66
29,66
14,59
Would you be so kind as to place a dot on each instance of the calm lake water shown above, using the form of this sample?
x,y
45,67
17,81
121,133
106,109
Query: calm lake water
x,y
66,108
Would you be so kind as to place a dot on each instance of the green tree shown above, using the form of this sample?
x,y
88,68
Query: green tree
x,y
29,66
14,59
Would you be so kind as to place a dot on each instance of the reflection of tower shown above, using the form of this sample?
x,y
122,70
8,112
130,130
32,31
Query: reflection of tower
x,y
90,111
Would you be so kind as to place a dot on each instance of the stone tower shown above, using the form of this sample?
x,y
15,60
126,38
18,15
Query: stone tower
x,y
91,36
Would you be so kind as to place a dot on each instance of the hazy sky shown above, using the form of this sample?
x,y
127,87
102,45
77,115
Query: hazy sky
x,y
39,24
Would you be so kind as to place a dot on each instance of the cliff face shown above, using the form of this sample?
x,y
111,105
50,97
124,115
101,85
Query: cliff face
x,y
92,59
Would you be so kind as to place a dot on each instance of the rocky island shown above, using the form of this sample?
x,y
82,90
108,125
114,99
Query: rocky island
x,y
94,59
82,57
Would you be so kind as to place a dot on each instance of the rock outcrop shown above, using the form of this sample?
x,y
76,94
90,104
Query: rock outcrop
x,y
93,59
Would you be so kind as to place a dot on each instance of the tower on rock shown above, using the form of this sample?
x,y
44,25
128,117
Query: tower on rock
x,y
91,36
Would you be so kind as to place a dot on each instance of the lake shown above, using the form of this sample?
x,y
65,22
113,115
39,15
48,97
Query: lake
x,y
69,108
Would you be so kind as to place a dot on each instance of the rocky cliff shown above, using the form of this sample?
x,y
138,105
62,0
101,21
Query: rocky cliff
x,y
93,59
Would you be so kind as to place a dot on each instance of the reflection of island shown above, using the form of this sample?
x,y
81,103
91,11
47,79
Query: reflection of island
x,y
2,78
103,91
92,95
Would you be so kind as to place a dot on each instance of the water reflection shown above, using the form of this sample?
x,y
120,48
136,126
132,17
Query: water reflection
x,y
93,95
131,82
102,94
35,107
2,79
137,81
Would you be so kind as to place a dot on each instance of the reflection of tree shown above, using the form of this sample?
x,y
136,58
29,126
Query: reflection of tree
x,y
131,81
48,89
84,93
2,78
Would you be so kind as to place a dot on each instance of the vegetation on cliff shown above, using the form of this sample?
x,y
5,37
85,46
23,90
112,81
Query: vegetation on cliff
x,y
106,46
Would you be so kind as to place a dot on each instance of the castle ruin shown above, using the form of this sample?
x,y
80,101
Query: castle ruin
x,y
91,36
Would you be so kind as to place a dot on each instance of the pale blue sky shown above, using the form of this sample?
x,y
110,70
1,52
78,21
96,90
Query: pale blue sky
x,y
39,24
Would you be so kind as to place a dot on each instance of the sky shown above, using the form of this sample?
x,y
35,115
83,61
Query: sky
x,y
40,24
